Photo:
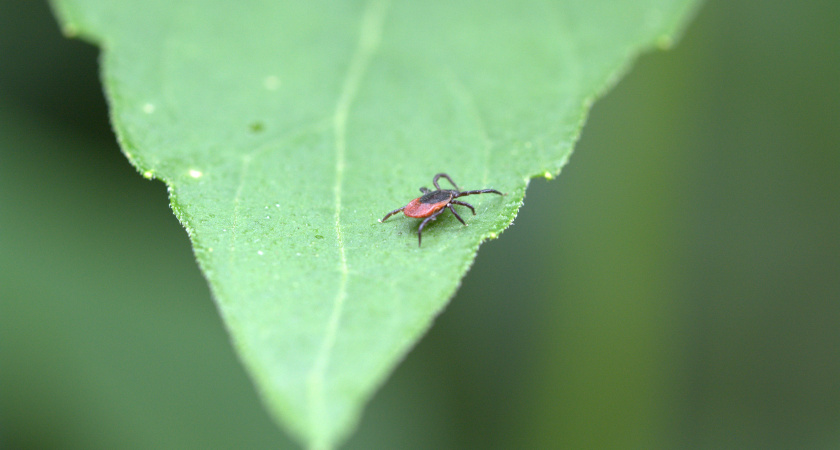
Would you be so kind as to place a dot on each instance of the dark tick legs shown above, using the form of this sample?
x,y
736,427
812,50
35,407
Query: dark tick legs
x,y
480,191
456,202
420,230
434,217
443,175
456,214
392,213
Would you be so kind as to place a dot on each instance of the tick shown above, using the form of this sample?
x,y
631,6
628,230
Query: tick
x,y
432,203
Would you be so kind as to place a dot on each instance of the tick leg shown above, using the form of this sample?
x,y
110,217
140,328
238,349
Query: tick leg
x,y
425,190
438,176
464,204
392,213
480,191
456,214
420,230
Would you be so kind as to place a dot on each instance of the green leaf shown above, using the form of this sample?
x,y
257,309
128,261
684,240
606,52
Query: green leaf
x,y
285,130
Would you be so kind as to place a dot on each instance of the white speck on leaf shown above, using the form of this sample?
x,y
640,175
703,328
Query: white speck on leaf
x,y
271,82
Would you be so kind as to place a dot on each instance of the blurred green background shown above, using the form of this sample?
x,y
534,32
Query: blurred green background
x,y
678,286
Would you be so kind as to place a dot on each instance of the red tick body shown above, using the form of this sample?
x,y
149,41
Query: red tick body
x,y
433,203
425,206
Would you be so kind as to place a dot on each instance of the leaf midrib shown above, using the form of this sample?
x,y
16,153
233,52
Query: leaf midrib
x,y
372,22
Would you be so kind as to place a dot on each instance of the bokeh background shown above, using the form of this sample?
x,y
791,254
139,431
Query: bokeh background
x,y
678,286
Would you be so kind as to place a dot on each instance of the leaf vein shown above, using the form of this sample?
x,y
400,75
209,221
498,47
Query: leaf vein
x,y
369,36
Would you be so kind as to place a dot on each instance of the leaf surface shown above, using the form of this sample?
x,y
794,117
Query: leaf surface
x,y
285,130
